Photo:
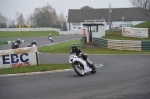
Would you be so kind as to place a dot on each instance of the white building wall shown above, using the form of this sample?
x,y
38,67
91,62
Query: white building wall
x,y
79,29
75,29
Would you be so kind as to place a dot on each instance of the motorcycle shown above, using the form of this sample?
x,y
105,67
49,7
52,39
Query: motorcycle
x,y
51,39
15,45
31,45
79,65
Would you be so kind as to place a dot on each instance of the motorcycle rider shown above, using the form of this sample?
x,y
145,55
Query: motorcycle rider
x,y
78,52
18,41
34,42
49,36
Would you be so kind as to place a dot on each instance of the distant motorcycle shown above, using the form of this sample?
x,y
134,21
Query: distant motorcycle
x,y
15,45
51,39
31,45
79,65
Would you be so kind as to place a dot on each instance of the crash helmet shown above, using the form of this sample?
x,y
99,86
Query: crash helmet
x,y
74,46
49,34
19,39
34,41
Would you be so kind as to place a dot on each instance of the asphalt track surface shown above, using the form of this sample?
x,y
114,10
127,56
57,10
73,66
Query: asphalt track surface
x,y
120,77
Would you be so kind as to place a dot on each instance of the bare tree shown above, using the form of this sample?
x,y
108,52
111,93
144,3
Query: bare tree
x,y
61,19
145,4
20,19
44,17
31,21
3,21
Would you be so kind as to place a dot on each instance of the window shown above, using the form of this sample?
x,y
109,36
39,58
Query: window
x,y
79,27
76,24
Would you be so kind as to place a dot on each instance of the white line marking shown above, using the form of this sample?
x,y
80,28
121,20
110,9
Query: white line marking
x,y
99,65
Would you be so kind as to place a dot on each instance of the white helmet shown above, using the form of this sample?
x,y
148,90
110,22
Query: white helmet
x,y
34,40
19,39
49,34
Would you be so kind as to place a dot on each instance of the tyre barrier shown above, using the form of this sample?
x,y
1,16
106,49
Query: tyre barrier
x,y
143,45
10,42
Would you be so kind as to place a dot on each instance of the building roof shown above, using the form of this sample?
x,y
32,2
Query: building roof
x,y
129,14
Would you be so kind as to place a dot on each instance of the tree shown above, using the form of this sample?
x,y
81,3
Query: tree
x,y
86,8
20,19
31,21
145,4
62,20
45,16
2,21
12,24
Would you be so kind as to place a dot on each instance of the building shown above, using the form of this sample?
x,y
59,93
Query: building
x,y
116,18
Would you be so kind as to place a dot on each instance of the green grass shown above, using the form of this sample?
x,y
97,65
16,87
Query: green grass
x,y
27,33
143,25
39,68
3,42
117,35
61,48
65,48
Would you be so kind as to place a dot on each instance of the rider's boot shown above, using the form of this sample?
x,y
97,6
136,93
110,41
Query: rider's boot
x,y
91,64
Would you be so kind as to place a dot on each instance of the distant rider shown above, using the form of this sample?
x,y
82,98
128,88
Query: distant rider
x,y
17,43
34,43
78,52
49,36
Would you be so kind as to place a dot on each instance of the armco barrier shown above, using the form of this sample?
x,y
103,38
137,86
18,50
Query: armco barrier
x,y
18,57
122,44
10,42
100,42
145,45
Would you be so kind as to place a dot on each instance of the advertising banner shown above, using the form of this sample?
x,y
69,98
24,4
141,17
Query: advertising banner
x,y
18,57
135,32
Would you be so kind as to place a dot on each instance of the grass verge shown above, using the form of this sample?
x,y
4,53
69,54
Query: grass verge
x,y
4,34
60,48
143,25
65,48
39,68
117,35
3,42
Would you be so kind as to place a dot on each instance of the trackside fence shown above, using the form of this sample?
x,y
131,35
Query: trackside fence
x,y
143,45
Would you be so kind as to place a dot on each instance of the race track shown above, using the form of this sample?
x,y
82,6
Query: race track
x,y
121,77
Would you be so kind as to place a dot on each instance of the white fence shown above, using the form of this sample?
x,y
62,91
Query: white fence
x,y
30,29
18,57
69,32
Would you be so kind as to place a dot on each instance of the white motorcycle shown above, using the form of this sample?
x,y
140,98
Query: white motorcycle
x,y
30,45
79,65
51,39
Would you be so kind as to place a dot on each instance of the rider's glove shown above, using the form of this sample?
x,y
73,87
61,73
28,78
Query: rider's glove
x,y
80,54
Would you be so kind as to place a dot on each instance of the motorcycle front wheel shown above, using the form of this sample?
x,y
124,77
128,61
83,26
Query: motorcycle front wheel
x,y
78,68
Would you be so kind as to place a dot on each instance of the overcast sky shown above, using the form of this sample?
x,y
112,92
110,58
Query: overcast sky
x,y
9,7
